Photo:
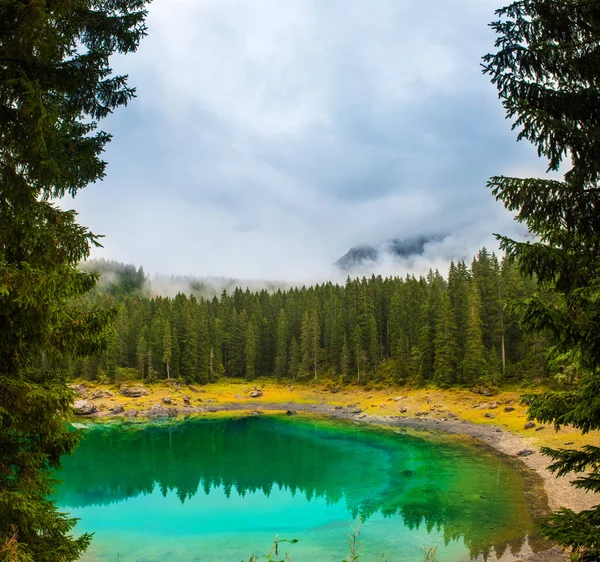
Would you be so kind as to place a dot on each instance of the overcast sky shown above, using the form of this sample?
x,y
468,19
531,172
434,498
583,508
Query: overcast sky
x,y
268,137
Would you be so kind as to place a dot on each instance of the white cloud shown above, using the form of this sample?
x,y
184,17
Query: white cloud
x,y
269,137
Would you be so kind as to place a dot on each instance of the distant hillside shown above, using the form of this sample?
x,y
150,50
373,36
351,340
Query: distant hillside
x,y
116,278
119,279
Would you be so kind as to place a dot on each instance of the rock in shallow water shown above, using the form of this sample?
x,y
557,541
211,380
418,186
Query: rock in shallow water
x,y
84,407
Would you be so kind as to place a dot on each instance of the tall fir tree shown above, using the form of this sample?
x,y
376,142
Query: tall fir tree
x,y
444,363
56,84
281,354
250,352
474,363
547,71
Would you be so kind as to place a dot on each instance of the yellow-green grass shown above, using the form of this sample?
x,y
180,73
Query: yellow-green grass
x,y
466,404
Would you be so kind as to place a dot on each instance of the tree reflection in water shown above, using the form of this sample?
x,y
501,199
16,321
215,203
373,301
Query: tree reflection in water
x,y
458,489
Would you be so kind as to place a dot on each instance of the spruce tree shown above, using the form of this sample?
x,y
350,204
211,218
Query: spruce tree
x,y
473,365
547,71
167,348
444,363
250,352
281,355
55,85
294,363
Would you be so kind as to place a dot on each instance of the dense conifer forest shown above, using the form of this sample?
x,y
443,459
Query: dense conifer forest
x,y
452,330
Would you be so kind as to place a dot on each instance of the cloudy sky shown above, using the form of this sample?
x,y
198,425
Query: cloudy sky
x,y
269,137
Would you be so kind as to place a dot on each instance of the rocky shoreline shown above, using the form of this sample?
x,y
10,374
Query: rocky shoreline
x,y
559,491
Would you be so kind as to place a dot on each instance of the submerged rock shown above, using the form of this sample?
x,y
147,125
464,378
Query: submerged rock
x,y
509,408
529,425
117,409
84,407
256,393
290,413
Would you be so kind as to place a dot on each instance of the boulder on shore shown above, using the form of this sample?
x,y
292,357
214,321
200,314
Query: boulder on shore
x,y
78,388
525,453
158,411
134,391
117,409
256,393
84,407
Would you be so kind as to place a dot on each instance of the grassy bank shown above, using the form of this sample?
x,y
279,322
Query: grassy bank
x,y
407,402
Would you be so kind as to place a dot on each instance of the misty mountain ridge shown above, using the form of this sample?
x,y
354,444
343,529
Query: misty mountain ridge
x,y
365,256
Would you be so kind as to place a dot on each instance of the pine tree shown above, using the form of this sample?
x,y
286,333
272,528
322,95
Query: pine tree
x,y
204,349
294,363
444,365
345,360
547,72
55,85
167,348
310,342
281,356
112,355
250,352
473,364
141,355
358,352
189,345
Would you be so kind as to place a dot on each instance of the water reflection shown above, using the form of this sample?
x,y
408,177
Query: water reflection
x,y
461,492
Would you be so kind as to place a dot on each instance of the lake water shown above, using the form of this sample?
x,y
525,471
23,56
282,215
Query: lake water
x,y
221,489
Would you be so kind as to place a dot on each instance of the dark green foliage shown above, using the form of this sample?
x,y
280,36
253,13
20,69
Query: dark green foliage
x,y
55,84
547,70
444,367
369,331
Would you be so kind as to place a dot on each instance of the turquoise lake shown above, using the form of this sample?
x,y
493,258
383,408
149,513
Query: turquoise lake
x,y
221,489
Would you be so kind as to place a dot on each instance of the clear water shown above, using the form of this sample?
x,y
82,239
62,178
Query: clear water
x,y
221,489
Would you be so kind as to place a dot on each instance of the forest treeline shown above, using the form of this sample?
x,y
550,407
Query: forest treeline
x,y
453,330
